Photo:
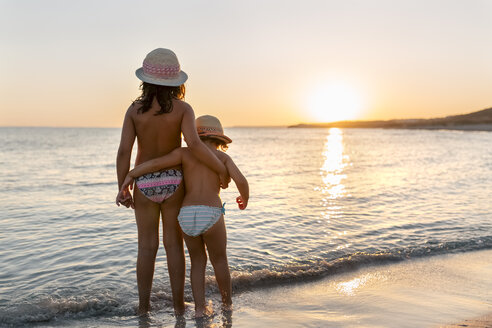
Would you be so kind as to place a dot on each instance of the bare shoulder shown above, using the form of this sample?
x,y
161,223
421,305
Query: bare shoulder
x,y
182,105
133,109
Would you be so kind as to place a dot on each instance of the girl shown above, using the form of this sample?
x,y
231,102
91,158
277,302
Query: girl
x,y
202,215
156,119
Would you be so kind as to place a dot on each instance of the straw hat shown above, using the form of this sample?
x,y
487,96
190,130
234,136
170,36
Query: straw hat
x,y
161,67
209,126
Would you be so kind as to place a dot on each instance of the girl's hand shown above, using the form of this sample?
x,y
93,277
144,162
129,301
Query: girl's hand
x,y
224,181
124,196
241,203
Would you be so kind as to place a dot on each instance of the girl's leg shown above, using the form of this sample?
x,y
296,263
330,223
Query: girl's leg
x,y
216,240
173,243
198,256
147,216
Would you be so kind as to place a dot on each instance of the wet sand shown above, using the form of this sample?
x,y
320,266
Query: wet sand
x,y
442,291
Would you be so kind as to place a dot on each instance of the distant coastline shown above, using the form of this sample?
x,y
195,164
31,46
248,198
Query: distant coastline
x,y
476,121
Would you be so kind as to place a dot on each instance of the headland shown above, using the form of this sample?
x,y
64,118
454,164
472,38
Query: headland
x,y
475,121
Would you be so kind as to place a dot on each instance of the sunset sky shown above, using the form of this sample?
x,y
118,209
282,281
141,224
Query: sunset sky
x,y
72,63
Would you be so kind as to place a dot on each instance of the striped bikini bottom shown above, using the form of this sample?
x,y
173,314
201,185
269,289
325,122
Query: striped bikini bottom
x,y
197,219
159,186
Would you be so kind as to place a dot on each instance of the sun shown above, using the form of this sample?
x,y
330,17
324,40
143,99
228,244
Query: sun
x,y
334,102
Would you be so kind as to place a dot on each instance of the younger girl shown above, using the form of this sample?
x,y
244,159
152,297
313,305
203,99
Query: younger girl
x,y
202,215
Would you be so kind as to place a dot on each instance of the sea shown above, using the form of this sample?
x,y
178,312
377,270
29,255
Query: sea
x,y
324,203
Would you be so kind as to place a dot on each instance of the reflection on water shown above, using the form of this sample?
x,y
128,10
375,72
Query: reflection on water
x,y
349,287
332,169
332,173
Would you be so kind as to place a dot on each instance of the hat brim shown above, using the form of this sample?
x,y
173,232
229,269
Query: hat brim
x,y
222,137
167,82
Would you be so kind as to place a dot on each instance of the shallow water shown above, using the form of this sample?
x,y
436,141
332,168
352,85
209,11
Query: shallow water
x,y
323,202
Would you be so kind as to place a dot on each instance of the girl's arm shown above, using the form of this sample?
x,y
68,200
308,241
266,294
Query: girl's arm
x,y
123,158
199,150
240,181
172,159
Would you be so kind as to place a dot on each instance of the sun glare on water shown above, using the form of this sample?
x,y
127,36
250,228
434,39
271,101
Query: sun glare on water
x,y
334,102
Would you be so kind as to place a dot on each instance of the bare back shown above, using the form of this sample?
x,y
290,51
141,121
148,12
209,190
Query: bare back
x,y
157,135
202,184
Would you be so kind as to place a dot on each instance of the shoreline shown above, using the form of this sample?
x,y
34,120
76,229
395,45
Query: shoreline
x,y
443,291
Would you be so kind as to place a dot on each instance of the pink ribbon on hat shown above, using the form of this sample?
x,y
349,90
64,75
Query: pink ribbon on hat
x,y
206,129
164,72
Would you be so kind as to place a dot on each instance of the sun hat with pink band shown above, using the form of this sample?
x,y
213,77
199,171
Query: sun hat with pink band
x,y
209,126
161,67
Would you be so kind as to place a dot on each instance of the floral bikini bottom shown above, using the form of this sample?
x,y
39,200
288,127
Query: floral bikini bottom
x,y
159,186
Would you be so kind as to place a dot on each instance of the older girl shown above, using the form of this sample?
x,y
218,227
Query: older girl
x,y
156,120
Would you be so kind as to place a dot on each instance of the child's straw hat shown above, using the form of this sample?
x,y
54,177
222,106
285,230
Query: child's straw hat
x,y
161,67
209,126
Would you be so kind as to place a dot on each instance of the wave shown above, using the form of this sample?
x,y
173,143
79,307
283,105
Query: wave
x,y
50,308
101,303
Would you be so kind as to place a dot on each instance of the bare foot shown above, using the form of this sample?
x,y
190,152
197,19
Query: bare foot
x,y
226,316
206,312
144,321
180,322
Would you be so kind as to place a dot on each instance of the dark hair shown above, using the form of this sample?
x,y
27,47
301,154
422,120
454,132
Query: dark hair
x,y
163,94
217,142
